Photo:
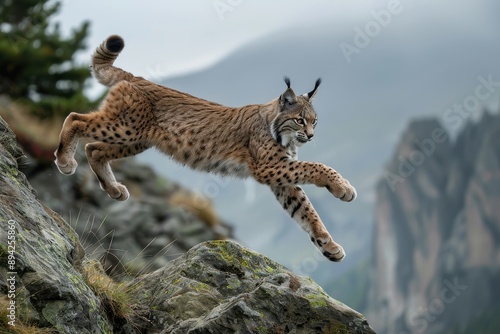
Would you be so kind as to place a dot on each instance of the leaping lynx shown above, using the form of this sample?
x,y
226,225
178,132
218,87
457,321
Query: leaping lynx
x,y
259,140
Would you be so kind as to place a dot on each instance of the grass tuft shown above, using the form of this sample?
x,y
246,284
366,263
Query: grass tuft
x,y
114,296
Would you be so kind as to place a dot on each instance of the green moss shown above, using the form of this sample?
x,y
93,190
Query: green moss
x,y
262,330
199,287
55,238
316,301
3,251
12,172
223,251
233,283
93,303
243,258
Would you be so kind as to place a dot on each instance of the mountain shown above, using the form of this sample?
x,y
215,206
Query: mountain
x,y
436,246
362,107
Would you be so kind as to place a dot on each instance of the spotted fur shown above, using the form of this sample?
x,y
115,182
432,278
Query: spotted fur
x,y
259,141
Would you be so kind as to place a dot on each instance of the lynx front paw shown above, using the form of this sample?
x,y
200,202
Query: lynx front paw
x,y
66,167
116,191
343,191
329,248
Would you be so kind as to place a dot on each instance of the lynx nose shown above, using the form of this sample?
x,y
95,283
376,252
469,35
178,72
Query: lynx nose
x,y
309,135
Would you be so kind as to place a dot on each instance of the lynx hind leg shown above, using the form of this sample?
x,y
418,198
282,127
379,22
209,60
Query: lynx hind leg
x,y
99,155
73,128
294,200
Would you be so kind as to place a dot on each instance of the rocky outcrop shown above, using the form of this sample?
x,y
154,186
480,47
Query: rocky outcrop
x,y
39,272
437,230
216,287
221,287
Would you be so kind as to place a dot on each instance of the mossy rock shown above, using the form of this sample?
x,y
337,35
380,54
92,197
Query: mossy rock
x,y
50,291
222,287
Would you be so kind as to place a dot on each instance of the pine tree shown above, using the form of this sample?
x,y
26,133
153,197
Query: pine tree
x,y
36,63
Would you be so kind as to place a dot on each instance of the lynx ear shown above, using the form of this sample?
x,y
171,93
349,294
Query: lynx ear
x,y
312,93
288,98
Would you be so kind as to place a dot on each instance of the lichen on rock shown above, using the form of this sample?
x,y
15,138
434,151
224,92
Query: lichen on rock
x,y
49,290
243,292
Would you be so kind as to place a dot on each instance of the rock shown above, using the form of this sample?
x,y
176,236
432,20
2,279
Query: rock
x,y
437,225
222,287
49,289
216,287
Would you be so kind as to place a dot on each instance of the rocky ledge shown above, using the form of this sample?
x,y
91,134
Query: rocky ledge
x,y
48,284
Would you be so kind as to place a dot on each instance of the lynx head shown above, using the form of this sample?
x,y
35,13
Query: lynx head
x,y
296,118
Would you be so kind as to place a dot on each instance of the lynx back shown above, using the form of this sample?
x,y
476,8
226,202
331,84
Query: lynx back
x,y
259,141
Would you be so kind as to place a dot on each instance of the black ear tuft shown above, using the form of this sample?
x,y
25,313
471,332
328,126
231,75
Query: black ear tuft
x,y
115,43
287,81
313,92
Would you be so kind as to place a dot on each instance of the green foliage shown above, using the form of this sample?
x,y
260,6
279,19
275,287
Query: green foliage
x,y
36,62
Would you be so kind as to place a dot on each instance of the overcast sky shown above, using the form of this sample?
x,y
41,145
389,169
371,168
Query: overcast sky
x,y
166,38
176,36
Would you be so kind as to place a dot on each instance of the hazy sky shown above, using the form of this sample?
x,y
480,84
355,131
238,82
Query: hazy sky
x,y
183,35
165,38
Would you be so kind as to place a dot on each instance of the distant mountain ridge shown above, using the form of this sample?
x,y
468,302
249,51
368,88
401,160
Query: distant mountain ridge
x,y
436,247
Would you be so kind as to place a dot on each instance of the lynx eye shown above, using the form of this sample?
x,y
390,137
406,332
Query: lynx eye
x,y
300,121
315,122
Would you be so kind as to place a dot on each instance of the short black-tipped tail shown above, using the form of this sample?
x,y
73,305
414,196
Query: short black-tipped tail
x,y
114,44
102,62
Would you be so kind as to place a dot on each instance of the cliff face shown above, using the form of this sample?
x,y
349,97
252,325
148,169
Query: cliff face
x,y
49,284
437,230
39,272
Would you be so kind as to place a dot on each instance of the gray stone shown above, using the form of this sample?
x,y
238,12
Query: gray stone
x,y
50,291
222,287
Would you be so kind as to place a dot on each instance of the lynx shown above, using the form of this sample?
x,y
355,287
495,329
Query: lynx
x,y
259,141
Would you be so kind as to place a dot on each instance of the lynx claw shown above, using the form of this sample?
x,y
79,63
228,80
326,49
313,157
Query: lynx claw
x,y
117,192
349,195
69,168
331,250
343,191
